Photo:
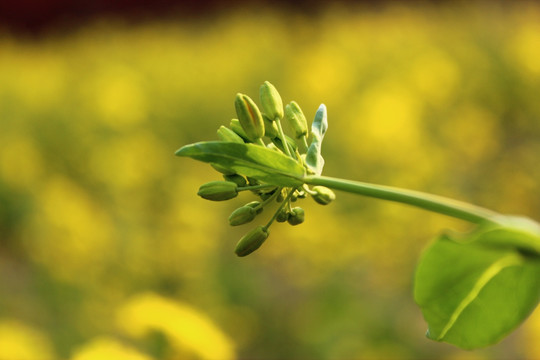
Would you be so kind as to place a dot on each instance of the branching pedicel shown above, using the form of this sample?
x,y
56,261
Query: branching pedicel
x,y
473,288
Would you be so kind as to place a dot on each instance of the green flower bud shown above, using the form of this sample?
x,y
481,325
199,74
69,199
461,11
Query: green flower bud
x,y
242,215
253,181
237,128
281,196
296,119
249,116
226,134
237,179
256,206
251,241
296,216
282,216
218,190
265,195
323,195
222,169
271,101
270,128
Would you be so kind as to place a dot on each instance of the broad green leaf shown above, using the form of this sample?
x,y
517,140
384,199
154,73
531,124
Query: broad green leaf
x,y
516,232
471,293
250,160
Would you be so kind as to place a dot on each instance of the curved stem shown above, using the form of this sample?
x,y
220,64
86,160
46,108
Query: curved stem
x,y
439,204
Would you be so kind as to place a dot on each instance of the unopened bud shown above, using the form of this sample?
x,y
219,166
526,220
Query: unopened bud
x,y
323,195
282,216
296,119
270,128
281,196
296,216
242,215
238,130
249,116
218,190
226,134
237,179
251,241
272,104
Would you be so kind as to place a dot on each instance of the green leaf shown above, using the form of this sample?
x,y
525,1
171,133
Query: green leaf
x,y
314,159
512,232
473,292
251,160
320,123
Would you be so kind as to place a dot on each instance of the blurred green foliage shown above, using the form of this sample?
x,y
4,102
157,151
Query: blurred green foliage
x,y
98,219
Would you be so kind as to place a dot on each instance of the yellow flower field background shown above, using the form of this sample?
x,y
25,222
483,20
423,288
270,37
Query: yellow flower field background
x,y
106,251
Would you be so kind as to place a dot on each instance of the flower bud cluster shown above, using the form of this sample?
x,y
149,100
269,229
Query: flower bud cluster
x,y
263,127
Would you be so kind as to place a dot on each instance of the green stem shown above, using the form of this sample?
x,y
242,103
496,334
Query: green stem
x,y
439,204
281,135
280,207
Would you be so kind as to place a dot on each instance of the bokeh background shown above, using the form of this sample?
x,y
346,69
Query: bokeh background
x,y
106,252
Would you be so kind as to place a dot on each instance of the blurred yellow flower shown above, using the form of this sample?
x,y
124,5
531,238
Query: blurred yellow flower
x,y
187,328
21,342
20,161
118,95
525,48
69,233
532,335
104,348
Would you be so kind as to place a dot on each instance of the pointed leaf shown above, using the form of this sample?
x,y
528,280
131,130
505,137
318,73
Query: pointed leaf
x,y
314,159
251,160
320,123
473,294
